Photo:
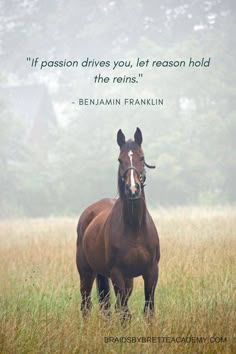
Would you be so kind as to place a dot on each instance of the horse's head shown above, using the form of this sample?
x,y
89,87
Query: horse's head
x,y
131,174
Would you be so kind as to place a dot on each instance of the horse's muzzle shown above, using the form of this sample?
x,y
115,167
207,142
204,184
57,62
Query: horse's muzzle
x,y
133,192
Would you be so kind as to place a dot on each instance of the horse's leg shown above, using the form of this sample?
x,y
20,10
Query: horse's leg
x,y
129,283
150,282
86,284
119,283
103,293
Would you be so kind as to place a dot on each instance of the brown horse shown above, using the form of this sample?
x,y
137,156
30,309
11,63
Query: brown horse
x,y
117,238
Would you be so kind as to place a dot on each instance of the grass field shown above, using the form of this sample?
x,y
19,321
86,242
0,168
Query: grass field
x,y
195,297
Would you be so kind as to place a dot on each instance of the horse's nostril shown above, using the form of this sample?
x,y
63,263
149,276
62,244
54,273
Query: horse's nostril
x,y
132,191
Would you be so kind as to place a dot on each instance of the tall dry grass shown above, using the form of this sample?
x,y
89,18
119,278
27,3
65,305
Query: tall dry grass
x,y
195,298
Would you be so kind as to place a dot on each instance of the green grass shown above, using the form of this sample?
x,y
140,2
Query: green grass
x,y
195,297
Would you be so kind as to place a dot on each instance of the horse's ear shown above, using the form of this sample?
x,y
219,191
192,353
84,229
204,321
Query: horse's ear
x,y
120,138
138,138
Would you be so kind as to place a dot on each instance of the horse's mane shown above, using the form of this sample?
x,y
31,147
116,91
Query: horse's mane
x,y
129,145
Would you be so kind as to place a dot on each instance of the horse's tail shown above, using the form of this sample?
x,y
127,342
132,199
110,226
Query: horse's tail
x,y
103,287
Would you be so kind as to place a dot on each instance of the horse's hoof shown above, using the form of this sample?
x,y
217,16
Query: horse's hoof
x,y
149,316
126,318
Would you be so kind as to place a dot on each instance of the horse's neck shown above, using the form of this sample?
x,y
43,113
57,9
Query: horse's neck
x,y
134,212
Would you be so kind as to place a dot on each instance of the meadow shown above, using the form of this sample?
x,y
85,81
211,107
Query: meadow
x,y
195,297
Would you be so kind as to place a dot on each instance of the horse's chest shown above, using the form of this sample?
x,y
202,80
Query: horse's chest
x,y
134,260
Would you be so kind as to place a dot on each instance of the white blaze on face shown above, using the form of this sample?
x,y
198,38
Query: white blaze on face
x,y
132,181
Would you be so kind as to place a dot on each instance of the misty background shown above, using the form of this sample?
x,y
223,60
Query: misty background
x,y
56,158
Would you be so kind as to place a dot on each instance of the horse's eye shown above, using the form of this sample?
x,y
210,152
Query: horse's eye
x,y
119,160
141,158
